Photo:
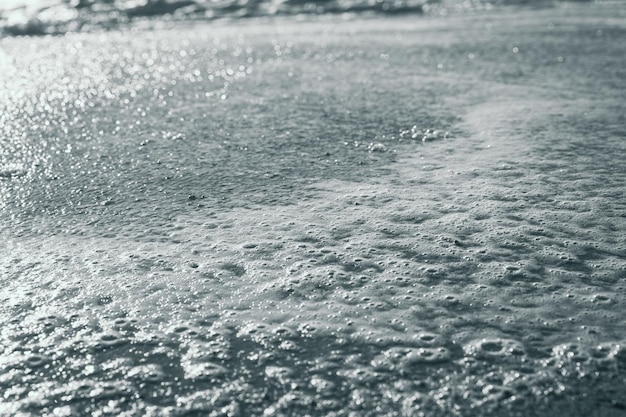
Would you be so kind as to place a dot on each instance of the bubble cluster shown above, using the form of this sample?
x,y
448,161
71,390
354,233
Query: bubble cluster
x,y
494,348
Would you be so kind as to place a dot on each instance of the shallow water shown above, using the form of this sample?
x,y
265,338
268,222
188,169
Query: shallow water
x,y
374,217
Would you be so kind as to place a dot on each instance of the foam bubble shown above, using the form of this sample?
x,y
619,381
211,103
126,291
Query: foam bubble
x,y
492,348
406,358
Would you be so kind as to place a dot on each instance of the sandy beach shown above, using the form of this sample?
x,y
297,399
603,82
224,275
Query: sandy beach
x,y
317,216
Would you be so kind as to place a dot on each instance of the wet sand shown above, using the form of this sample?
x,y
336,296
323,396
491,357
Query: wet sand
x,y
377,217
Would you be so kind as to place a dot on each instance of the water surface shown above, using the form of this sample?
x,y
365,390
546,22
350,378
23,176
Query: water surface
x,y
375,216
